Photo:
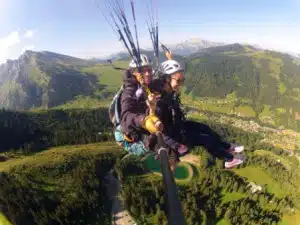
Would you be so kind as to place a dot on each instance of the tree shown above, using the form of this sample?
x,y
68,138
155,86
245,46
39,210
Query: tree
x,y
228,214
134,210
203,217
219,164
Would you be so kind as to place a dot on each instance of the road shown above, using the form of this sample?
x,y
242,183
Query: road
x,y
119,213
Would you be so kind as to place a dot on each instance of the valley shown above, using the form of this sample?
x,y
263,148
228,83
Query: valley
x,y
57,152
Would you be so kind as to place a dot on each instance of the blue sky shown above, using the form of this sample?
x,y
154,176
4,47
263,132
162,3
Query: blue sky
x,y
76,27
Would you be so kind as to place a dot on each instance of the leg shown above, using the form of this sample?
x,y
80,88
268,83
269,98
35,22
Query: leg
x,y
199,134
209,142
195,127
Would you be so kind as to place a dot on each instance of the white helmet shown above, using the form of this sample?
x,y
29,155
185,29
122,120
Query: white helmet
x,y
144,62
171,66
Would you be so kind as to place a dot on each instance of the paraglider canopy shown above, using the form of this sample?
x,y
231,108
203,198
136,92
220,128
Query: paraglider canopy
x,y
115,13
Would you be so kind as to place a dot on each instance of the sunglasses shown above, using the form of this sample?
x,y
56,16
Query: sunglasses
x,y
179,81
146,70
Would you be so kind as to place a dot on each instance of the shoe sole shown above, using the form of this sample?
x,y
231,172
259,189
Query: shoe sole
x,y
239,151
234,165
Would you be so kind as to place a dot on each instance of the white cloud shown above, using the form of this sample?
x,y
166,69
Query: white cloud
x,y
29,33
6,43
10,40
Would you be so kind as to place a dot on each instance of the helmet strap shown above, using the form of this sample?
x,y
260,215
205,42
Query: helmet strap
x,y
168,81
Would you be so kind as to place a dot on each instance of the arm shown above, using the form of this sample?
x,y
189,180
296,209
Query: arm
x,y
133,111
129,105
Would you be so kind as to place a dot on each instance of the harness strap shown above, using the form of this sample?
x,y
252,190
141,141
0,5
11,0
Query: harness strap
x,y
127,138
117,116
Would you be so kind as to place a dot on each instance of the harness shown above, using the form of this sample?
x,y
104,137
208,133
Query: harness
x,y
133,147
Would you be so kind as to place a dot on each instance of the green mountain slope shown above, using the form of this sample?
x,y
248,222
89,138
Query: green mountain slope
x,y
32,131
60,186
266,81
264,77
45,79
230,88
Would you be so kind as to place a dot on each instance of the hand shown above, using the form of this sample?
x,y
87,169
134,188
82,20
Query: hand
x,y
169,55
151,103
151,100
159,126
152,124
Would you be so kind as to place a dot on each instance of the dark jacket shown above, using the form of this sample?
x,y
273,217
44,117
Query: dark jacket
x,y
168,110
133,108
168,107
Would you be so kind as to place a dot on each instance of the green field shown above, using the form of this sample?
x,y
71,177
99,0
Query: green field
x,y
273,156
215,108
231,196
258,176
219,105
246,111
83,102
291,219
267,115
107,75
58,155
223,222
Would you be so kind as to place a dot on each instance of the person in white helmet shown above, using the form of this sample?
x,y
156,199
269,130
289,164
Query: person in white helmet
x,y
136,117
137,123
179,133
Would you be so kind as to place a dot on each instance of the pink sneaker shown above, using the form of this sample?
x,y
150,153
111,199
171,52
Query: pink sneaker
x,y
235,149
233,163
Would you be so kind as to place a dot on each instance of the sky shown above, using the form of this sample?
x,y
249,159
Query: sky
x,y
77,27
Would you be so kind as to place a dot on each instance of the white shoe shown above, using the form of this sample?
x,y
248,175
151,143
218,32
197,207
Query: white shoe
x,y
235,149
233,163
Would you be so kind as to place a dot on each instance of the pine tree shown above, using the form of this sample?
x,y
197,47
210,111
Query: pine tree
x,y
203,217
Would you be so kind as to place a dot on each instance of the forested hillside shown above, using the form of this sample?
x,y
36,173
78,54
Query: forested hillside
x,y
264,189
31,132
266,81
213,195
63,185
46,79
56,159
263,77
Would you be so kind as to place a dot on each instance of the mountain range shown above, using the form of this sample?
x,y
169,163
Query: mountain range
x,y
59,159
256,77
42,79
192,46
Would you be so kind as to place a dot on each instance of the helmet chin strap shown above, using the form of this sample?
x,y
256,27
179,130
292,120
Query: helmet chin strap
x,y
170,86
168,81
